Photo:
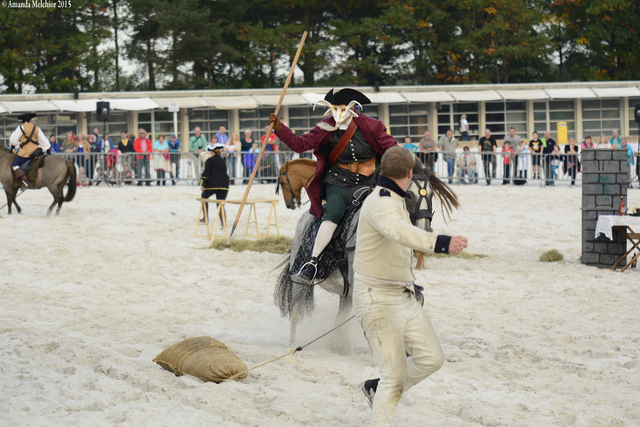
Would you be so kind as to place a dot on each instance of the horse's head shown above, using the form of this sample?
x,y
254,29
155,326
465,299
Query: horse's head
x,y
424,186
420,194
291,198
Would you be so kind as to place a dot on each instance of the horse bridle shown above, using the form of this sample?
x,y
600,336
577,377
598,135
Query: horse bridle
x,y
422,195
286,174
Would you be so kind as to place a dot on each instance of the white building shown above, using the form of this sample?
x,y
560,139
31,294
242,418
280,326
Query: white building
x,y
588,108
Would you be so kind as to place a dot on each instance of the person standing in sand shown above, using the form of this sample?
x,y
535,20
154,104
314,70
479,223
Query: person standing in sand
x,y
393,321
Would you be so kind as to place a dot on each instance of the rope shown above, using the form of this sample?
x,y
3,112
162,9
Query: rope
x,y
292,352
325,334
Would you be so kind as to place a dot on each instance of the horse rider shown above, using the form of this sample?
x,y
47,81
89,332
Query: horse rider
x,y
348,146
30,142
383,293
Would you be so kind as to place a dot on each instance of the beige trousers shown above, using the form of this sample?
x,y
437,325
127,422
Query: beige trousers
x,y
394,322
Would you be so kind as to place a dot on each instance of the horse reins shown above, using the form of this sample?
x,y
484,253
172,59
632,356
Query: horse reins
x,y
286,175
422,195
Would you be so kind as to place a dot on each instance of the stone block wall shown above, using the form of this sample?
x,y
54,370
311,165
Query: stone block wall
x,y
604,180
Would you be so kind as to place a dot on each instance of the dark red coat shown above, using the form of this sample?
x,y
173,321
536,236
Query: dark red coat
x,y
374,132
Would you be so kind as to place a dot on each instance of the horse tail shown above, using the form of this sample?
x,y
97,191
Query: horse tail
x,y
448,199
71,189
283,292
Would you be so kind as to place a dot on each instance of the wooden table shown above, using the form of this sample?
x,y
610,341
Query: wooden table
x,y
623,223
252,211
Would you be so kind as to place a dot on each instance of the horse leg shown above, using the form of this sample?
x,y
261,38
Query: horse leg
x,y
302,301
341,343
9,198
61,199
57,198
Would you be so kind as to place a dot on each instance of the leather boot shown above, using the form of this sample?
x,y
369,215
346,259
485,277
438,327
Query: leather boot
x,y
308,272
22,175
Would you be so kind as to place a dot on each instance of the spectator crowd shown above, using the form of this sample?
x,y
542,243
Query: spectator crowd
x,y
131,159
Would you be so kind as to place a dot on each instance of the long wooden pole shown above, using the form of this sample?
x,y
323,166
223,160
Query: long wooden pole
x,y
266,139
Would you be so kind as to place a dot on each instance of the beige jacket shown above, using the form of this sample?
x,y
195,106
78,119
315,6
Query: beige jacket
x,y
386,238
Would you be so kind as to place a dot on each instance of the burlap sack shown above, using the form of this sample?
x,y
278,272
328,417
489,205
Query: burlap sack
x,y
203,357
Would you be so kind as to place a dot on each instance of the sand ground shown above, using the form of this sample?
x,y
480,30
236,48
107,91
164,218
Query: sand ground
x,y
89,298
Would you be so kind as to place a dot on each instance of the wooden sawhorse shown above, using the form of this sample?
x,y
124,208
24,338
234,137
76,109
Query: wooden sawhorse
x,y
252,211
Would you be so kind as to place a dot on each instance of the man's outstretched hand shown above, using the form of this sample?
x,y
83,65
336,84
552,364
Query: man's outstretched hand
x,y
276,122
457,244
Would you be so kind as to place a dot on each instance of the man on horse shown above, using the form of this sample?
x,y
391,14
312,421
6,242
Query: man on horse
x,y
30,142
348,146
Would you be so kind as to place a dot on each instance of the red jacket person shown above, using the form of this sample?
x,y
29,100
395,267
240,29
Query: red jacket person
x,y
348,146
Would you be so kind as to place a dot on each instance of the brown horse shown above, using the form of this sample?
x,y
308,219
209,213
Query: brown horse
x,y
56,172
293,176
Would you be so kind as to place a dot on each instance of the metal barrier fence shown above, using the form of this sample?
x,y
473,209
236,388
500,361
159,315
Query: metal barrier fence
x,y
464,167
117,169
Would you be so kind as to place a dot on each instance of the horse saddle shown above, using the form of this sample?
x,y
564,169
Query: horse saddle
x,y
36,163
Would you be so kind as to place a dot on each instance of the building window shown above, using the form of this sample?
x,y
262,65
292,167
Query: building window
x,y
255,120
118,122
600,117
209,121
303,119
633,126
449,118
547,114
500,116
410,120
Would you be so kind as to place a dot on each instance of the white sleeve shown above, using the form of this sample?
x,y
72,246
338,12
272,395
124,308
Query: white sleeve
x,y
388,218
14,139
43,142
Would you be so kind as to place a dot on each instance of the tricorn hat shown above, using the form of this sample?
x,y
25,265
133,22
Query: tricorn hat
x,y
345,96
26,117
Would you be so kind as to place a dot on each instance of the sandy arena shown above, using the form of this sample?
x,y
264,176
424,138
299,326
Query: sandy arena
x,y
89,298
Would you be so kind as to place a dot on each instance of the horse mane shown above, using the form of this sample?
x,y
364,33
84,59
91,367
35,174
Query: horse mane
x,y
448,199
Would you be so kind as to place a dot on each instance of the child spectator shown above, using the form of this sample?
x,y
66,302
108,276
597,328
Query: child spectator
x,y
409,145
536,150
467,165
127,174
55,147
523,157
571,159
556,157
507,153
250,159
603,142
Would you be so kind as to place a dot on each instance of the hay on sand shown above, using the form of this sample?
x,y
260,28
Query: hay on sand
x,y
553,255
275,245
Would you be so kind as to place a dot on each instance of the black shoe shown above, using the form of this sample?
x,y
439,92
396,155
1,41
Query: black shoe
x,y
369,388
308,271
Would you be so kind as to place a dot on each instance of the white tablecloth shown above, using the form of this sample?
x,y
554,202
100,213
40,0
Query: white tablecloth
x,y
606,223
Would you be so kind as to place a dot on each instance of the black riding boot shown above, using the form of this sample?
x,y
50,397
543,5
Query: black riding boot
x,y
308,271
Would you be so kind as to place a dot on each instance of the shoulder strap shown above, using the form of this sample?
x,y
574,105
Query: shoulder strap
x,y
343,141
29,138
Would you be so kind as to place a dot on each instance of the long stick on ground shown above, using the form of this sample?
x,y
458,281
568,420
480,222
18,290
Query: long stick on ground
x,y
266,139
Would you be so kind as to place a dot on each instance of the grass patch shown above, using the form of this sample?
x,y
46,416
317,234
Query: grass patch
x,y
463,254
553,255
275,245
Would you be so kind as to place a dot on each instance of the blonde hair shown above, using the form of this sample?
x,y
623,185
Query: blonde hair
x,y
397,162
